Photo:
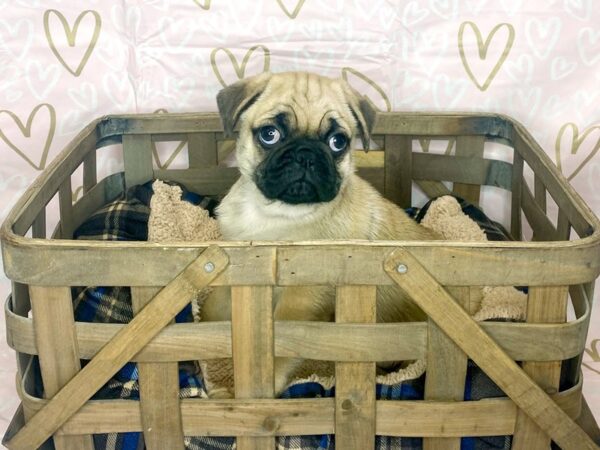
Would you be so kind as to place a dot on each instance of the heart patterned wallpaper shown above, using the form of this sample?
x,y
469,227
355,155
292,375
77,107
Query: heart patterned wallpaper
x,y
65,62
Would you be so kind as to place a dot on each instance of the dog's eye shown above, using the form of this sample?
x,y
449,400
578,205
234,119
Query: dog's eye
x,y
269,135
338,142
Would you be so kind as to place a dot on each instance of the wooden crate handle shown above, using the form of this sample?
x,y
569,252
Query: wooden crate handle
x,y
125,345
435,301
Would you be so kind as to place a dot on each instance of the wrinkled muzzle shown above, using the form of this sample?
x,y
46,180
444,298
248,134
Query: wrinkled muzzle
x,y
300,172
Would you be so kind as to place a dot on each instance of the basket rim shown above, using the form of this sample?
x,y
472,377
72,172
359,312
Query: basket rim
x,y
492,125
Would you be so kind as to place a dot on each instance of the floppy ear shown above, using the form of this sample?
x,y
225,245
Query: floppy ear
x,y
234,99
363,111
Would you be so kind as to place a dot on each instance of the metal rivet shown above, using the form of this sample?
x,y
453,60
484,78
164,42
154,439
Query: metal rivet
x,y
209,267
402,268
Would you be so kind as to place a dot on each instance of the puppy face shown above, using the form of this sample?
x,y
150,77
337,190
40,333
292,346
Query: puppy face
x,y
295,133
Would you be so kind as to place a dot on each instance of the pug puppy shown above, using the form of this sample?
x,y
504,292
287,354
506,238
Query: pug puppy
x,y
298,182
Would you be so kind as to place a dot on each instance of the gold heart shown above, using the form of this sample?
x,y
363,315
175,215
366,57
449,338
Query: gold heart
x,y
175,153
575,144
205,5
71,36
483,49
590,368
296,10
370,82
426,142
240,69
26,131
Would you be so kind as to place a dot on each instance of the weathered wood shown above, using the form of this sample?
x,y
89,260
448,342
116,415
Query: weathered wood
x,y
355,382
90,175
38,228
543,229
460,169
65,201
18,306
253,352
431,166
35,197
577,212
213,181
424,124
313,340
563,227
446,370
487,417
202,150
517,189
137,158
587,421
545,305
398,169
471,147
540,192
490,264
453,124
106,191
159,392
33,261
130,340
433,189
459,326
59,357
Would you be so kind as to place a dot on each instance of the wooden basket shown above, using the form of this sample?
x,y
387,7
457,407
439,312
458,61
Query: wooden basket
x,y
442,277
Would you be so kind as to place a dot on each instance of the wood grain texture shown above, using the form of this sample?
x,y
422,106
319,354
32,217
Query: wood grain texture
x,y
65,201
159,392
539,264
540,192
543,305
90,175
321,341
516,189
543,229
202,150
555,183
446,370
355,382
46,186
137,158
470,147
253,352
130,340
487,417
433,189
469,336
398,169
59,356
587,421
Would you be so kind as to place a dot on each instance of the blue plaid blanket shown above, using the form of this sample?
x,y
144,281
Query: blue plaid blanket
x,y
127,219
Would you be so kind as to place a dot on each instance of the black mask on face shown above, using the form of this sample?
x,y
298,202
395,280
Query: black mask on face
x,y
301,171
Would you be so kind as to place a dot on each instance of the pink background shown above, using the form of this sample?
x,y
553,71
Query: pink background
x,y
541,67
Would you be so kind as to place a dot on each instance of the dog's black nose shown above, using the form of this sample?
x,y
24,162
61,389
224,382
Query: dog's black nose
x,y
305,157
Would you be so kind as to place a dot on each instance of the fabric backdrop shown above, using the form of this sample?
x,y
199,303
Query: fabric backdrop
x,y
66,62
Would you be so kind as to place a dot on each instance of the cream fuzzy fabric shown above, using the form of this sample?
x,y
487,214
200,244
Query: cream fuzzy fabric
x,y
175,220
446,217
